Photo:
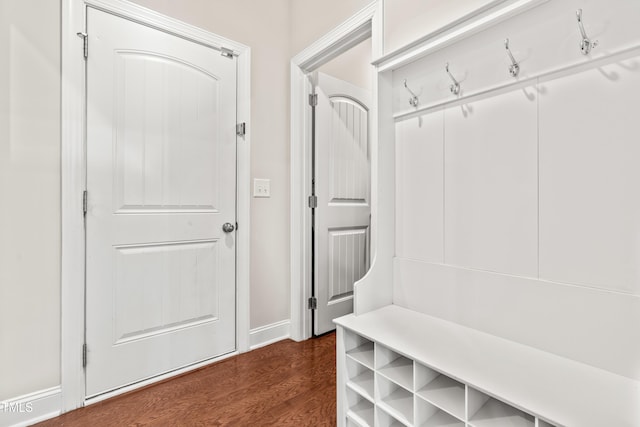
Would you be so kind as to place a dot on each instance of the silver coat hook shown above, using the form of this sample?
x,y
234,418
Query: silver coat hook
x,y
514,68
455,87
585,44
413,101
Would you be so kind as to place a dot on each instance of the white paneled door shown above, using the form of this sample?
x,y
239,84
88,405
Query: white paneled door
x,y
161,168
342,187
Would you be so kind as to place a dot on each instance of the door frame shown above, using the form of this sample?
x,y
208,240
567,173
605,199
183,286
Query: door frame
x,y
73,183
364,24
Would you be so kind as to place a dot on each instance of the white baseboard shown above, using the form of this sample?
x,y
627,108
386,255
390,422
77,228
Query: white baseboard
x,y
268,334
31,408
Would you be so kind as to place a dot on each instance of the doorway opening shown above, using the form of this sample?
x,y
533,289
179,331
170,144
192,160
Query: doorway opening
x,y
331,163
340,183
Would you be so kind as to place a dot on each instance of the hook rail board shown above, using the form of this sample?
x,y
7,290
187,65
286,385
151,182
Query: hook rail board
x,y
545,40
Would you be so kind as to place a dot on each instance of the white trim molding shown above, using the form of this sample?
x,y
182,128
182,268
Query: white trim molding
x,y
467,25
31,408
364,24
269,334
73,165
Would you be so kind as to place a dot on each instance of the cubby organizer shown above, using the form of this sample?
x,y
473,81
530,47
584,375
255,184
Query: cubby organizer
x,y
385,388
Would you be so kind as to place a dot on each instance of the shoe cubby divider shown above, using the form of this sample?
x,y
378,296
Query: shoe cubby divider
x,y
394,399
485,411
440,390
428,415
360,378
360,411
394,366
359,349
383,419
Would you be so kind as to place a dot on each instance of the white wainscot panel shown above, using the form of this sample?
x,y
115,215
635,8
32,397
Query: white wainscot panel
x,y
491,184
590,178
588,325
420,187
164,287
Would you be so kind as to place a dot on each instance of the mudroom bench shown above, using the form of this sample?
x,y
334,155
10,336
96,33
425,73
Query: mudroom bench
x,y
398,367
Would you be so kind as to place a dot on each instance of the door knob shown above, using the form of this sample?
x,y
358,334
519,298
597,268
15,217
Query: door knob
x,y
228,227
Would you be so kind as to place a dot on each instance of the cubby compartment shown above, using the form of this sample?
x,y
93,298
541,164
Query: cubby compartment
x,y
428,415
360,378
386,420
359,349
440,390
394,366
360,410
485,411
394,399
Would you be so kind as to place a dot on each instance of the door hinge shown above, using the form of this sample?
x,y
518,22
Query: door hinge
x,y
84,355
84,201
313,202
313,99
241,129
227,53
85,44
313,303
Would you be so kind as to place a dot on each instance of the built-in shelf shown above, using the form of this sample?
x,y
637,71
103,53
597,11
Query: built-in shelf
x,y
423,379
441,390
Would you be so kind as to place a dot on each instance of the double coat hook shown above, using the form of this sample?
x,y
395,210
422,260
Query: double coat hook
x,y
413,101
586,44
455,87
514,68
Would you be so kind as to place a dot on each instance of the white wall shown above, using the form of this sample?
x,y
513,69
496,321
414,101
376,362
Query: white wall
x,y
30,196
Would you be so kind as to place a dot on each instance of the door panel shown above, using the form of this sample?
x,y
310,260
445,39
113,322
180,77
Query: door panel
x,y
342,185
161,183
348,155
347,261
168,176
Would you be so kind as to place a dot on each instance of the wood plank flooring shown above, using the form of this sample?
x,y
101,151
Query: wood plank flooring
x,y
284,384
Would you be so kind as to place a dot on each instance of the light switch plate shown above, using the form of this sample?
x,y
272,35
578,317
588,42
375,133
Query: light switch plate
x,y
261,187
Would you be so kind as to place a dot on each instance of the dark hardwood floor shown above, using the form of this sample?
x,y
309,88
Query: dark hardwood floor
x,y
284,384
